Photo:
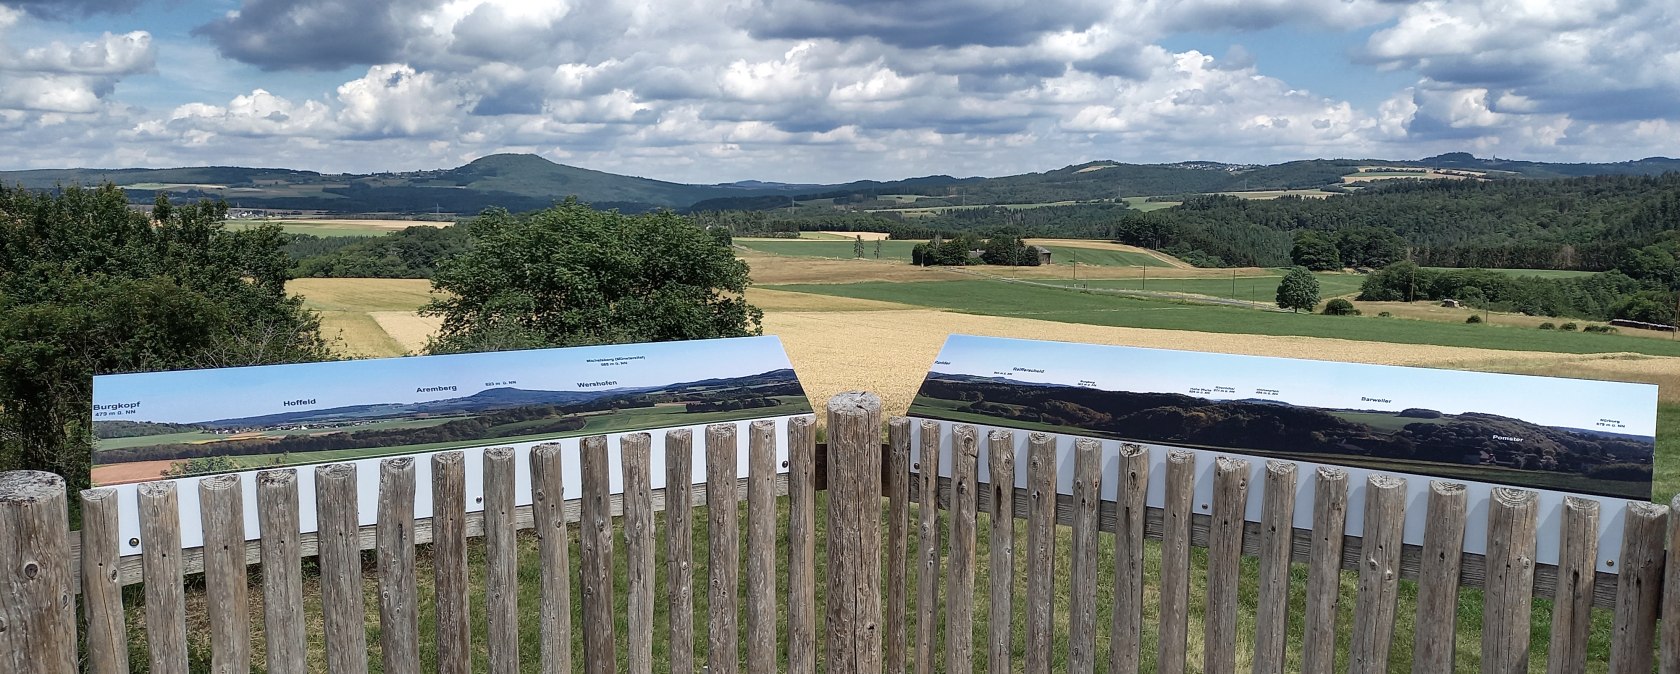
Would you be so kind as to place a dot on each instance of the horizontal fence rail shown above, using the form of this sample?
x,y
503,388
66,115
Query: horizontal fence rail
x,y
880,600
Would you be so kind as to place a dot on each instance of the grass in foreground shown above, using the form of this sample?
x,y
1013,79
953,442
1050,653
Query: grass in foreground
x,y
997,298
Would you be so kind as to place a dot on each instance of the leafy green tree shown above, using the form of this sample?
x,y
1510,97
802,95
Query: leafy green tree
x,y
1315,251
1299,290
90,286
878,243
1340,307
573,275
1369,247
1399,282
1649,306
857,246
1003,249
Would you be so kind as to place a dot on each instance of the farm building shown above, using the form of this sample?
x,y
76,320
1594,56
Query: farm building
x,y
1043,254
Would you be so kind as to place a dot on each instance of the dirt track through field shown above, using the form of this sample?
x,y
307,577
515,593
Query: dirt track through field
x,y
889,352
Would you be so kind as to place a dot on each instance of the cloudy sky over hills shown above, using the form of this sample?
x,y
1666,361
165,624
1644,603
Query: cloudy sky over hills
x,y
830,90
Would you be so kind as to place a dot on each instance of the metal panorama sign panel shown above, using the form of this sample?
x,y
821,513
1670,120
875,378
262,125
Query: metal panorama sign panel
x,y
1552,435
182,426
194,422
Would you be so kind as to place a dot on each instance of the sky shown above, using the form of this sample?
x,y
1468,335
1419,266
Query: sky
x,y
1549,401
191,396
706,91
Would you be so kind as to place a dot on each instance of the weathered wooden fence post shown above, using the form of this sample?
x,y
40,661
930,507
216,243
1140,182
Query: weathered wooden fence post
x,y
1175,563
1324,569
679,548
399,613
548,509
761,546
282,571
1508,594
1638,588
37,610
1437,598
1082,604
1379,574
449,565
107,631
221,500
1041,552
1000,459
959,591
160,560
724,548
635,452
343,609
1277,536
1224,565
595,550
501,562
802,549
1131,485
854,534
898,542
927,536
1572,603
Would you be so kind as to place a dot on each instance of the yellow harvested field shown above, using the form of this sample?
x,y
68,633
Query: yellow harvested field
x,y
889,352
362,294
357,335
840,344
781,300
770,269
408,329
867,236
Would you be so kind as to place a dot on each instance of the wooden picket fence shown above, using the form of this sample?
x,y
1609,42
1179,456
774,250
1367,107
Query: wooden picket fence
x,y
44,566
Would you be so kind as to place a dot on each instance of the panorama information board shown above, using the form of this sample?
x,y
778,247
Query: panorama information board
x,y
186,424
1556,436
194,422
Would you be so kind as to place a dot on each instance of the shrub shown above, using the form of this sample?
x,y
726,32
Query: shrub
x,y
1474,318
1600,329
1340,307
1568,327
1385,314
1548,325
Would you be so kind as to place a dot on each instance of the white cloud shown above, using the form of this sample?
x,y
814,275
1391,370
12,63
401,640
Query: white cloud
x,y
112,55
821,90
258,113
61,77
1560,57
396,100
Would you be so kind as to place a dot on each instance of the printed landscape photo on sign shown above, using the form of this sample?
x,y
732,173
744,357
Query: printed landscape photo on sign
x,y
1571,435
193,422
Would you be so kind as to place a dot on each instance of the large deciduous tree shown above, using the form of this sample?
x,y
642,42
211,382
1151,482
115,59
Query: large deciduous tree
x,y
1299,290
1315,251
90,286
572,275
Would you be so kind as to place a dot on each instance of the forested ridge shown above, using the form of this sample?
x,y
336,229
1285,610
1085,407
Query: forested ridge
x,y
1576,223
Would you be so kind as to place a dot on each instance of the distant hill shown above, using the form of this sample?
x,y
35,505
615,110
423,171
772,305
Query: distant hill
x,y
523,182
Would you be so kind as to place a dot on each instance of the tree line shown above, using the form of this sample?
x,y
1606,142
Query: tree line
x,y
90,285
